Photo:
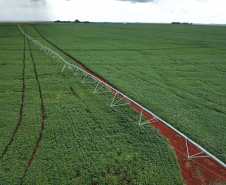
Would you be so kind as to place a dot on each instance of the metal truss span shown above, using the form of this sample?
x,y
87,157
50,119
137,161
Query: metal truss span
x,y
90,78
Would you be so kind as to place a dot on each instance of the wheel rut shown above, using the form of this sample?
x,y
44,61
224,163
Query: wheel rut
x,y
42,114
21,109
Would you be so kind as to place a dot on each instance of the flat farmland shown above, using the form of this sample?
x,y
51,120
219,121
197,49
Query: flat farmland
x,y
176,71
54,130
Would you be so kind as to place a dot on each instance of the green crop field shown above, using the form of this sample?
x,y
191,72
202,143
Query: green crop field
x,y
176,71
82,140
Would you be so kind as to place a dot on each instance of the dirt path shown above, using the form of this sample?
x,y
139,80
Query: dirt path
x,y
43,116
195,171
21,109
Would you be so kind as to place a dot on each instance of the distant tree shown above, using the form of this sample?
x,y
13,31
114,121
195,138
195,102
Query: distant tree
x,y
77,21
57,21
175,23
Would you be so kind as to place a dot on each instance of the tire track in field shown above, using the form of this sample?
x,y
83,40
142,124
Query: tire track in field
x,y
21,109
43,116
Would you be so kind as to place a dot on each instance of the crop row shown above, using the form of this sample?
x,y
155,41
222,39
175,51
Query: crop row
x,y
179,77
97,143
85,141
19,137
182,149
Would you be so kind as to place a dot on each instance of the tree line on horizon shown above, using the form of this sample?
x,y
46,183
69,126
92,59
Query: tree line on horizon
x,y
76,21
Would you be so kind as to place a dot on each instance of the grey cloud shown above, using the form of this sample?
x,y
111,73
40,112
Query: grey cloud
x,y
38,1
25,3
133,1
138,1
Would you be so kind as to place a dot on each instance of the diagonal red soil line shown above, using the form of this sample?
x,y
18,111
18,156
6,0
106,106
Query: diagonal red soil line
x,y
72,91
194,171
21,109
83,66
43,117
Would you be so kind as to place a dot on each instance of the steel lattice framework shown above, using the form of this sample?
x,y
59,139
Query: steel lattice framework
x,y
90,78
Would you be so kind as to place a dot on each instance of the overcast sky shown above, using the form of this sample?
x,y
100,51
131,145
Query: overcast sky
x,y
153,11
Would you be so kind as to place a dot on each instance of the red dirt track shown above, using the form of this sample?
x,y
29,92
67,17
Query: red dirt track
x,y
42,114
194,171
21,109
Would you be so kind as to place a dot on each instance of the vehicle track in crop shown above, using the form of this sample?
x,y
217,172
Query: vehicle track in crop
x,y
194,171
21,109
43,116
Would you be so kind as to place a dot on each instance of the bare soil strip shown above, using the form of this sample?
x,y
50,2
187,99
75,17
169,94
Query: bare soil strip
x,y
21,109
43,116
194,171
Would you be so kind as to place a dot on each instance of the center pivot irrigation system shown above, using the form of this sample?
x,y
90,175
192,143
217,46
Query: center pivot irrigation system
x,y
101,84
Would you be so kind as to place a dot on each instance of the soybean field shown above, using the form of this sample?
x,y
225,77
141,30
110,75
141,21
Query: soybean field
x,y
176,71
54,130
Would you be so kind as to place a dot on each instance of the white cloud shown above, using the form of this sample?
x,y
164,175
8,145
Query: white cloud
x,y
196,11
14,10
139,1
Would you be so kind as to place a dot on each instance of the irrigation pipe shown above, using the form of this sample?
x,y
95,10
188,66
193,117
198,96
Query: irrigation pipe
x,y
125,97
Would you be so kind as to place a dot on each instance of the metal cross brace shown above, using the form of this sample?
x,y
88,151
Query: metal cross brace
x,y
59,57
152,120
76,72
66,65
97,90
195,155
116,103
86,78
51,53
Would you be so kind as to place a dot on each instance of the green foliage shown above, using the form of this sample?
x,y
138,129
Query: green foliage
x,y
85,141
176,71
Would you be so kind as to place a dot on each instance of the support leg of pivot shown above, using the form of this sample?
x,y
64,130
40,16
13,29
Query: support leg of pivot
x,y
63,67
116,103
140,116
